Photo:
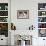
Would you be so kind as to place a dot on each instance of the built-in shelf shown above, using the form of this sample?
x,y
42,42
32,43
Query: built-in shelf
x,y
42,16
42,19
41,28
3,10
41,22
3,16
41,10
3,22
4,19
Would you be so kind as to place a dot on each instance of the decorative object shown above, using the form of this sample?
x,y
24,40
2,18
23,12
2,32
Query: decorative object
x,y
42,32
23,40
3,6
43,13
4,29
6,7
41,6
22,14
3,19
31,27
41,25
41,19
3,13
22,43
26,38
0,7
13,27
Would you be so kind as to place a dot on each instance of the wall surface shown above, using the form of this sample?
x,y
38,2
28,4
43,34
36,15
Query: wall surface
x,y
32,6
23,24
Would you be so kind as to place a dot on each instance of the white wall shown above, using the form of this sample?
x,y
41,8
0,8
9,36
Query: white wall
x,y
23,24
32,6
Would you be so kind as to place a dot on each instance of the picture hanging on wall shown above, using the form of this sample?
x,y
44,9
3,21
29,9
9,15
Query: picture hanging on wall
x,y
22,14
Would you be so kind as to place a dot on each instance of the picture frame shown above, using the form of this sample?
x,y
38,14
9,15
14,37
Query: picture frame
x,y
22,14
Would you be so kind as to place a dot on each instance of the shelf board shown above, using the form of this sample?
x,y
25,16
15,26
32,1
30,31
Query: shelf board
x,y
41,10
42,16
3,16
41,28
3,22
41,22
3,10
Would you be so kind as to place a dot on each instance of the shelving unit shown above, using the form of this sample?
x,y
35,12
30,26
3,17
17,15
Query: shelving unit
x,y
4,19
41,10
42,19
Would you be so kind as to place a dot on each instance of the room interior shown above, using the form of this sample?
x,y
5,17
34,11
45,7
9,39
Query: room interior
x,y
22,22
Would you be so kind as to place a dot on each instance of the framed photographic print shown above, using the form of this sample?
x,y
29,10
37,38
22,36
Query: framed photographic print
x,y
22,14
